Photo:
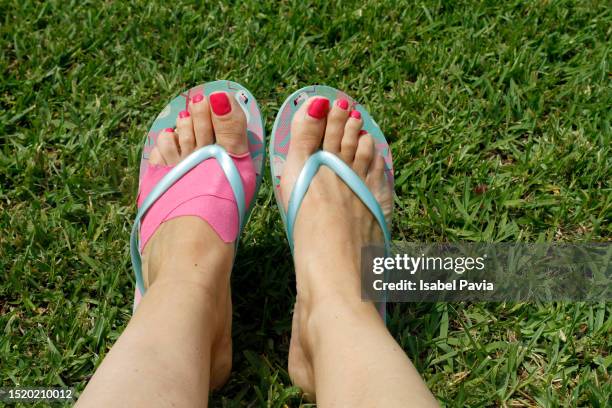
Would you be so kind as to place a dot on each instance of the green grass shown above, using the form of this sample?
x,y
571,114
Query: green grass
x,y
514,96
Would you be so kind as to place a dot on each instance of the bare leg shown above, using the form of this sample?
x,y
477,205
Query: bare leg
x,y
178,344
341,352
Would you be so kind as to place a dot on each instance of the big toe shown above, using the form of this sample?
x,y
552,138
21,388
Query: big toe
x,y
307,130
229,123
308,126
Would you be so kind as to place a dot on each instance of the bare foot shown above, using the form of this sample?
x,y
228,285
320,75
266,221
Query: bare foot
x,y
332,224
187,248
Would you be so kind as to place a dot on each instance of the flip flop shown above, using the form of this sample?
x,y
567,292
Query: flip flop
x,y
171,175
279,148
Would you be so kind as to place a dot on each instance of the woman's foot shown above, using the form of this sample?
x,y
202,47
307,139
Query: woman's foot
x,y
186,250
331,227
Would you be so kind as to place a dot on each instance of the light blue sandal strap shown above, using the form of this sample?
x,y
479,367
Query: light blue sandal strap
x,y
191,161
346,174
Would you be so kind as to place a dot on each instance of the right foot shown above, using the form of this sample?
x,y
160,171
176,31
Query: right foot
x,y
186,250
332,224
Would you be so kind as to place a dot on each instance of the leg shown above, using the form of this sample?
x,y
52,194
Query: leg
x,y
341,351
164,355
178,344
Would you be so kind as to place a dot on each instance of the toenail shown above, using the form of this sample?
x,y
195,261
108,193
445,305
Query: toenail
x,y
355,114
318,108
197,98
169,130
220,103
362,132
183,114
342,104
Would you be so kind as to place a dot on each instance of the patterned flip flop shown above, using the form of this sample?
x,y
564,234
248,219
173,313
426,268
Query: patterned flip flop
x,y
279,148
167,119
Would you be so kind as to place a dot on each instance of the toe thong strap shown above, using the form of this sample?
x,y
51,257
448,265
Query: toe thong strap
x,y
231,173
350,178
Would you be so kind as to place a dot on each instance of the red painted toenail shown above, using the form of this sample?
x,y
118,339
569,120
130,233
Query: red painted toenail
x,y
183,114
318,108
342,104
362,132
355,114
169,130
197,98
220,103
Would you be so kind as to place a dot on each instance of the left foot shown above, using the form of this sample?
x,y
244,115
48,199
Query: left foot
x,y
331,227
186,249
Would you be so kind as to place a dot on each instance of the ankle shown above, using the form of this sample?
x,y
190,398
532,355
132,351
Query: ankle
x,y
189,259
208,271
322,315
327,278
186,245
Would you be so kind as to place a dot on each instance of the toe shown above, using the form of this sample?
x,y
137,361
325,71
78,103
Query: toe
x,y
229,123
308,126
184,129
379,185
336,120
167,145
364,155
202,124
156,158
348,145
307,129
376,172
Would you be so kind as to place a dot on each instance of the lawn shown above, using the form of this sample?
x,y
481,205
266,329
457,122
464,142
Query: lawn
x,y
499,114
